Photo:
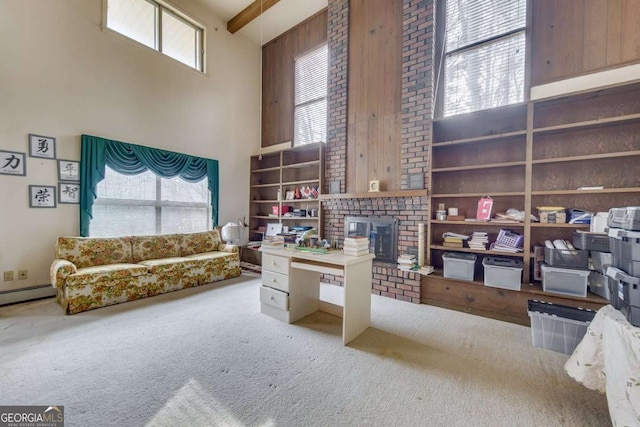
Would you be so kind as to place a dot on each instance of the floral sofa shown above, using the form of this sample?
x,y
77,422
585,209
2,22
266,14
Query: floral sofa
x,y
93,272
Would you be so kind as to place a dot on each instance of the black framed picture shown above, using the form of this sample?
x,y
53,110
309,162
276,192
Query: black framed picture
x,y
13,163
42,196
42,146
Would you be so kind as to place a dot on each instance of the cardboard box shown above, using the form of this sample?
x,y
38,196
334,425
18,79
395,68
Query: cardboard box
x,y
552,215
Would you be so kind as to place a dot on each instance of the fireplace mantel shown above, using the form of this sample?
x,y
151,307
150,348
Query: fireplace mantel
x,y
373,195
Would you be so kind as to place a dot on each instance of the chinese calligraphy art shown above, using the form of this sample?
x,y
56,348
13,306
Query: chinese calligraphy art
x,y
42,196
12,163
68,192
68,170
42,146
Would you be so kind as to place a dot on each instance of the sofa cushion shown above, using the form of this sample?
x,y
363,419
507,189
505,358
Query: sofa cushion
x,y
88,275
196,243
155,247
207,256
94,251
164,265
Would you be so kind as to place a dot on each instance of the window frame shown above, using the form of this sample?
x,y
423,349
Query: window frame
x,y
178,14
440,54
157,203
297,57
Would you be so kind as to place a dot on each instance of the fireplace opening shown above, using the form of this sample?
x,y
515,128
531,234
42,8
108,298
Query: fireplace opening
x,y
381,232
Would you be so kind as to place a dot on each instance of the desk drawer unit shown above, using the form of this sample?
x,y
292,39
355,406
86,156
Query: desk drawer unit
x,y
275,280
276,264
274,298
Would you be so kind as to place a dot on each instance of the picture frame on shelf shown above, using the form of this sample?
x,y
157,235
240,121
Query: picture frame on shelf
x,y
68,193
42,196
68,170
42,146
290,195
13,163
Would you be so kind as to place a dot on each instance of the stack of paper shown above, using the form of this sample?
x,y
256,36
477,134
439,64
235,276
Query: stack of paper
x,y
479,240
356,246
499,247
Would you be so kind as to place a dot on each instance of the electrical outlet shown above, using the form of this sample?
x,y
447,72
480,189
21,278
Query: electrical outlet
x,y
8,276
22,274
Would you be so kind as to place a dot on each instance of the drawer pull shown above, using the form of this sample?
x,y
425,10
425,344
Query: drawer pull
x,y
272,298
274,281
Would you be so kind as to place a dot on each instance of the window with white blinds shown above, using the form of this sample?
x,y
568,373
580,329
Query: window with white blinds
x,y
159,27
310,97
484,54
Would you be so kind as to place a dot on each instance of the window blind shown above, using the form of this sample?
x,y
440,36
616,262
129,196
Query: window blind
x,y
310,97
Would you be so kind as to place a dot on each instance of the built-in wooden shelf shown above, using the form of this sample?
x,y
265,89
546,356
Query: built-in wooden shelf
x,y
477,251
565,225
588,123
476,167
265,185
587,157
480,223
264,201
498,194
301,165
603,191
374,195
306,181
505,135
265,170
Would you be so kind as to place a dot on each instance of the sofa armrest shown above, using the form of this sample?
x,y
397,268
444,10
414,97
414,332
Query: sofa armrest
x,y
229,248
60,269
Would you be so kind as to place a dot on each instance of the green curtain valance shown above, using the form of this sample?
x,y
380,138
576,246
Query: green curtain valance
x,y
131,159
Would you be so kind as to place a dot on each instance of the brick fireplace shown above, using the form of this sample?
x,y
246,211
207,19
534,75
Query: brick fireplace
x,y
416,103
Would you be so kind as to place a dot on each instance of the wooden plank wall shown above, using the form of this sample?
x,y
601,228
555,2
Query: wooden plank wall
x,y
277,76
574,37
374,99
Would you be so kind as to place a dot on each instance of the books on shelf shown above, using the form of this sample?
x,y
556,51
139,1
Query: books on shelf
x,y
352,252
479,241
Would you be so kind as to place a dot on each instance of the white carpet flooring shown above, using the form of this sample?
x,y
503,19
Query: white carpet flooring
x,y
207,357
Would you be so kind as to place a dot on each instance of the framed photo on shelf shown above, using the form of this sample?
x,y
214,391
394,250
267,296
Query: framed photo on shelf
x,y
68,170
42,196
68,192
289,195
42,146
12,163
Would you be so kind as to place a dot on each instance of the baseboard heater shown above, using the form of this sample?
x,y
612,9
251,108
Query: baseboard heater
x,y
27,294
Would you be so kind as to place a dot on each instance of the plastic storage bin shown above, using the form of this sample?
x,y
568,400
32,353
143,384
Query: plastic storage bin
x,y
459,265
601,260
599,284
558,327
631,219
591,241
616,217
502,273
627,289
625,247
566,281
571,258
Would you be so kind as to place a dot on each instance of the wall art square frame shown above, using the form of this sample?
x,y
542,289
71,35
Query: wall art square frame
x,y
69,193
68,170
42,196
48,144
6,160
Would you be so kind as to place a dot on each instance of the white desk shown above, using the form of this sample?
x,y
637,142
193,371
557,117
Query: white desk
x,y
291,287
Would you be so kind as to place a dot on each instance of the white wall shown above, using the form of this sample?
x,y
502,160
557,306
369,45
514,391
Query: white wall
x,y
61,75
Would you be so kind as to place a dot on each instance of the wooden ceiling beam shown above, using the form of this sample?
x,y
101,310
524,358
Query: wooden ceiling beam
x,y
248,14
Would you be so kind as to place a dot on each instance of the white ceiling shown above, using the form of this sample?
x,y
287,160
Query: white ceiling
x,y
281,17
